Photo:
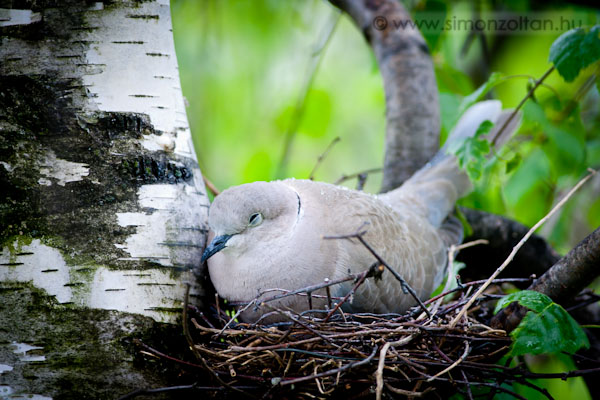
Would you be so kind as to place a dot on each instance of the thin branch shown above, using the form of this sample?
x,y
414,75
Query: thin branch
x,y
362,277
521,103
518,246
449,279
210,186
237,314
379,372
405,286
407,393
333,371
163,355
322,157
533,79
344,178
307,289
560,375
475,283
454,364
141,392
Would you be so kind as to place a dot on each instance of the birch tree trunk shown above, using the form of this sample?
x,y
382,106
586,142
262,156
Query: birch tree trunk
x,y
102,203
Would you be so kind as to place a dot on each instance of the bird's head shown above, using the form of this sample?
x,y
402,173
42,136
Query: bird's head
x,y
246,215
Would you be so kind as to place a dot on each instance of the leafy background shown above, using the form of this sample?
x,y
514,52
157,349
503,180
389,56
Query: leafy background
x,y
244,65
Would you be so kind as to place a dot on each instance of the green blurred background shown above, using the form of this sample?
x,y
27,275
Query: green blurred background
x,y
244,66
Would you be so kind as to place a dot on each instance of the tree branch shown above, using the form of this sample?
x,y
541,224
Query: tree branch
x,y
502,234
570,275
411,95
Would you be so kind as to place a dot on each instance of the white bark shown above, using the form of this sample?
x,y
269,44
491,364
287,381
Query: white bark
x,y
110,74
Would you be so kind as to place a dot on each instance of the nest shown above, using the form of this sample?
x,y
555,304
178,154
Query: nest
x,y
440,347
425,352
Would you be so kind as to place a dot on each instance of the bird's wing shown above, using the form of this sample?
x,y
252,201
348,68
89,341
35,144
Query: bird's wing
x,y
404,240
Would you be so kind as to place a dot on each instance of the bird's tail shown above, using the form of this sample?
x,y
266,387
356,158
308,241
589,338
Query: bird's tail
x,y
440,183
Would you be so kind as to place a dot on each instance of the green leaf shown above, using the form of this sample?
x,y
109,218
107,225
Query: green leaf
x,y
531,299
574,50
548,328
471,151
494,79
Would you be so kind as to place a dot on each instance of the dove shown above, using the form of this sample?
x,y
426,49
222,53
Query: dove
x,y
271,235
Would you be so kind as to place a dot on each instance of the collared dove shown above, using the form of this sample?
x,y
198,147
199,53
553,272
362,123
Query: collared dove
x,y
270,235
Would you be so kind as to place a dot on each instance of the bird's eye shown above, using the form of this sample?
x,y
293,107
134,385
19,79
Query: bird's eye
x,y
255,219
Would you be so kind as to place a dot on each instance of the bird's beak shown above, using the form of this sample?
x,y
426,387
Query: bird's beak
x,y
217,244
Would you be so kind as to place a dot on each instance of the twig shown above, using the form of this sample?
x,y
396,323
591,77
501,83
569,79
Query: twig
x,y
490,385
451,367
141,392
303,291
463,311
237,314
560,375
322,157
516,110
360,281
531,79
313,331
328,290
379,372
475,283
405,286
210,186
451,254
357,174
333,371
469,244
163,355
185,324
407,393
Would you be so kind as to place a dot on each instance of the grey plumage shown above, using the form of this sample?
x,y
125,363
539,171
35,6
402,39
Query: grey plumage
x,y
269,235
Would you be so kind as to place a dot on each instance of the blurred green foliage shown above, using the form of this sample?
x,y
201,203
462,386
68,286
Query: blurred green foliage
x,y
244,66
